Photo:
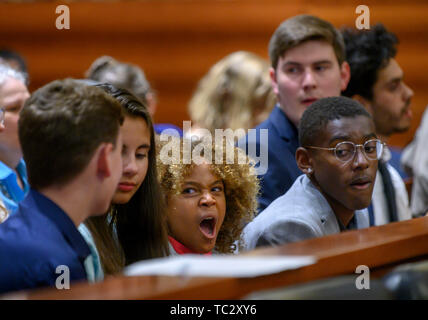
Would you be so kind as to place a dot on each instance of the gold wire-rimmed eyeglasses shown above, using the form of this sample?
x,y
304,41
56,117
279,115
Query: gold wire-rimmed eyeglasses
x,y
345,151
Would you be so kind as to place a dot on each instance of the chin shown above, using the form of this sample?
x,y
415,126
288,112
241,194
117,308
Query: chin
x,y
120,199
204,249
361,205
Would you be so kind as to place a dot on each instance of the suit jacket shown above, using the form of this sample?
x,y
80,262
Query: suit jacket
x,y
281,170
34,242
302,213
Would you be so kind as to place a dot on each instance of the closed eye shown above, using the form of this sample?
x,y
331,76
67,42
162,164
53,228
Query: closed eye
x,y
141,156
13,108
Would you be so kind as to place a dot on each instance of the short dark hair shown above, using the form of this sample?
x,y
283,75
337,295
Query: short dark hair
x,y
318,114
367,52
296,30
60,127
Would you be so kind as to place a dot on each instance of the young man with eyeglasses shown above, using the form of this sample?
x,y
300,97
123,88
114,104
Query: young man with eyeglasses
x,y
13,173
308,63
338,154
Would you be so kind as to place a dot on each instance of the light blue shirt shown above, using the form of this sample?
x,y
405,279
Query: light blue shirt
x,y
93,268
10,192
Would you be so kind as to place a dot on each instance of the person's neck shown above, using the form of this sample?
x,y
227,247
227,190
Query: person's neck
x,y
72,199
343,214
11,158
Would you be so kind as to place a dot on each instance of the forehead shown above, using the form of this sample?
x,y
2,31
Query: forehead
x,y
202,173
392,71
308,52
135,129
357,129
12,89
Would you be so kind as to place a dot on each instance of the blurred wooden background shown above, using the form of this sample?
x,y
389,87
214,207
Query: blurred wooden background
x,y
176,41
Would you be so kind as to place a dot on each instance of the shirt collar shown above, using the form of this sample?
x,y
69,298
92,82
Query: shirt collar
x,y
53,212
326,213
386,154
181,248
5,171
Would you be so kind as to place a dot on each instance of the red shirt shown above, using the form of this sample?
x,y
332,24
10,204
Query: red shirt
x,y
181,249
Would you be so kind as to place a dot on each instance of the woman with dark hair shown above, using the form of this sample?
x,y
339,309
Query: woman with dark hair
x,y
134,228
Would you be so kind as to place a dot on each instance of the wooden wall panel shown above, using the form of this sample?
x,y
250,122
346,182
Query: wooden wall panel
x,y
176,42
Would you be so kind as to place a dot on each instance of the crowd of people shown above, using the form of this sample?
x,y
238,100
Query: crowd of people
x,y
89,181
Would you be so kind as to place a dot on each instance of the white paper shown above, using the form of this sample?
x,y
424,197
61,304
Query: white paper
x,y
218,265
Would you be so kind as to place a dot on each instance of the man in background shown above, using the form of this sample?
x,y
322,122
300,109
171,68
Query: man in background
x,y
13,176
377,83
308,63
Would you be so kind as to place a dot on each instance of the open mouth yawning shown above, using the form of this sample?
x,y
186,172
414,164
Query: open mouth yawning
x,y
207,227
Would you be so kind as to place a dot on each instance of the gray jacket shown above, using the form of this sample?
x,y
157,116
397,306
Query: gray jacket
x,y
301,213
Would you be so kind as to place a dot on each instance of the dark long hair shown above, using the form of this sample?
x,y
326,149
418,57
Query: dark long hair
x,y
140,224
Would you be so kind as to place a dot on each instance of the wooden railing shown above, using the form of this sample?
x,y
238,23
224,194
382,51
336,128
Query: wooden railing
x,y
380,248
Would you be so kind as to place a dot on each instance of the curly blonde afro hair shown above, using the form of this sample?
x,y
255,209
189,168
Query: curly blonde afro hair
x,y
241,185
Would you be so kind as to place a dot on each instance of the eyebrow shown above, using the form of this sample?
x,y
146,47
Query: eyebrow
x,y
397,79
347,138
198,184
144,146
315,62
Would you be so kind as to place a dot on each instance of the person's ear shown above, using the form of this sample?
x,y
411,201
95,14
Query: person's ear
x,y
365,102
104,160
345,75
304,161
273,80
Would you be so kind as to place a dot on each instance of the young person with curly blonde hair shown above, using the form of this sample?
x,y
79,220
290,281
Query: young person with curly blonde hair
x,y
208,202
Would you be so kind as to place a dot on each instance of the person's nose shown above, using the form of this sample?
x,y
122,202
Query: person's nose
x,y
207,199
129,165
360,159
309,81
408,92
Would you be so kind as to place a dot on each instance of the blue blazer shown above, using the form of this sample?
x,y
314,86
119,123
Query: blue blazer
x,y
35,241
282,170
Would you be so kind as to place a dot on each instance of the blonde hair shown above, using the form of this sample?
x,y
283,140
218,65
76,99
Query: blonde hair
x,y
235,93
241,187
